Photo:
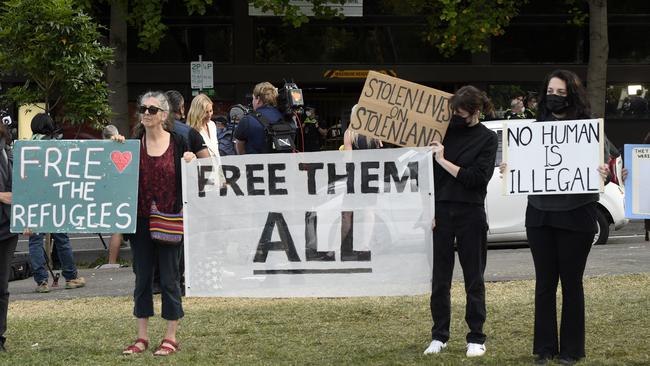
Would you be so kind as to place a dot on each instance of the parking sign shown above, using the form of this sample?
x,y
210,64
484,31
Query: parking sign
x,y
201,74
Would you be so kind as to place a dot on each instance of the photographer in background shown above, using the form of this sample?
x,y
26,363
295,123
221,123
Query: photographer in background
x,y
264,130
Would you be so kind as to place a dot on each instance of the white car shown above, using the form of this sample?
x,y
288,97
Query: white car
x,y
506,214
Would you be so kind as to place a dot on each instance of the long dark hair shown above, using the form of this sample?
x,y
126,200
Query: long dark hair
x,y
576,97
469,98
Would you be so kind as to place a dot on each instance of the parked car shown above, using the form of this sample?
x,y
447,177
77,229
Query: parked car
x,y
507,214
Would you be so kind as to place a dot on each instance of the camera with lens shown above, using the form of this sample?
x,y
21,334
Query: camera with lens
x,y
290,98
10,124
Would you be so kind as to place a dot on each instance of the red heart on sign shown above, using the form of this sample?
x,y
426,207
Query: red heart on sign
x,y
121,159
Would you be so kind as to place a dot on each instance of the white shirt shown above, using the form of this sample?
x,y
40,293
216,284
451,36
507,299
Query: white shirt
x,y
212,143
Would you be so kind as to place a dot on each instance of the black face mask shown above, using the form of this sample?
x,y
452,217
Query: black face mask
x,y
556,103
457,122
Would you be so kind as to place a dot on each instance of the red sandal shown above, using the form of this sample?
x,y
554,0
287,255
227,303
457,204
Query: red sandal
x,y
133,349
166,348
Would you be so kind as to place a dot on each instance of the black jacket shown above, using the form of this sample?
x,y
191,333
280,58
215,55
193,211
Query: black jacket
x,y
5,186
474,150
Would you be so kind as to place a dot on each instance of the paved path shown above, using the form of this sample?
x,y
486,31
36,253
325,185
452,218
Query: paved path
x,y
626,254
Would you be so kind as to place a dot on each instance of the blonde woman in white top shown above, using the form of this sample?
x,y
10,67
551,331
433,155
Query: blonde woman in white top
x,y
199,118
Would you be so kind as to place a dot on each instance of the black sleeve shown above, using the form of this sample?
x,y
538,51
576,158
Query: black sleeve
x,y
196,141
480,172
241,131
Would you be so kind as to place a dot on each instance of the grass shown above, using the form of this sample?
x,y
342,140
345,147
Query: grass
x,y
325,331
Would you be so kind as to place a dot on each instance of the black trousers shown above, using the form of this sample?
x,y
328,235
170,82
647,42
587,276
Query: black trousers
x,y
467,225
145,252
559,254
7,248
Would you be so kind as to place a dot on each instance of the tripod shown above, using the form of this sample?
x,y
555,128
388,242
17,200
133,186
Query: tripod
x,y
47,249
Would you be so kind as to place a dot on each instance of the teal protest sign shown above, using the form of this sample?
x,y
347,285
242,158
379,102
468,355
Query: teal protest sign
x,y
75,186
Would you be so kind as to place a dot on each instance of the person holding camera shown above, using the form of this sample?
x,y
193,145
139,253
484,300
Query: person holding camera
x,y
250,134
43,129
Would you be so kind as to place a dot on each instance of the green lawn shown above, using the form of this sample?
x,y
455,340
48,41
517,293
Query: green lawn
x,y
351,331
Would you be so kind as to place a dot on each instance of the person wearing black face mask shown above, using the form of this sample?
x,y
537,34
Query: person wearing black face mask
x,y
556,104
464,163
560,230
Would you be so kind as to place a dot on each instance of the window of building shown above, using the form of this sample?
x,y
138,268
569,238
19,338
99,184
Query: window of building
x,y
629,44
535,44
183,44
502,95
628,7
367,44
627,100
179,8
409,46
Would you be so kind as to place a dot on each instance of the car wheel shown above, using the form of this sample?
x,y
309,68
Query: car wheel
x,y
603,228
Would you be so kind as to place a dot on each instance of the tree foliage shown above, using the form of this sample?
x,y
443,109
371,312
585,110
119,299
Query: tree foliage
x,y
291,14
454,25
56,48
146,17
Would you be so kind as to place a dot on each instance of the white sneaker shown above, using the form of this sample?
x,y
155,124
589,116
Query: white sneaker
x,y
435,347
475,350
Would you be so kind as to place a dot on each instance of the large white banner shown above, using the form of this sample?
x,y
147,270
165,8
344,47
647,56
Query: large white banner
x,y
354,223
557,157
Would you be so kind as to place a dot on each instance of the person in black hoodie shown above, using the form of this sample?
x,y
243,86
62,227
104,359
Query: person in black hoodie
x,y
464,165
560,230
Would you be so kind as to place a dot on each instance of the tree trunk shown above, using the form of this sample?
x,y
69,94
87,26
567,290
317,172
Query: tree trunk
x,y
598,55
116,74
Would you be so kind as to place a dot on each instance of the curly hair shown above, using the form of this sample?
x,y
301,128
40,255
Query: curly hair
x,y
470,99
576,97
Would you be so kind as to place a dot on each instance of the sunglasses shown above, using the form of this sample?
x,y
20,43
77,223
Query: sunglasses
x,y
152,109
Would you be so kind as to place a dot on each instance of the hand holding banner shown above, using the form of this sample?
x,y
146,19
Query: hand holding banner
x,y
401,112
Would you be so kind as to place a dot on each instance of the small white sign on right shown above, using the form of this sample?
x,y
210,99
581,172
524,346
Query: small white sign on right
x,y
637,194
554,157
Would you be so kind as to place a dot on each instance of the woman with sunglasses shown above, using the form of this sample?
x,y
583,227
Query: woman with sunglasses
x,y
160,182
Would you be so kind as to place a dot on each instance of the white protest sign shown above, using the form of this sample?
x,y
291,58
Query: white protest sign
x,y
355,223
637,194
555,157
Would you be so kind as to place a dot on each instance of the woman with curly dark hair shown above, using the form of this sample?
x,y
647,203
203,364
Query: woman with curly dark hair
x,y
560,230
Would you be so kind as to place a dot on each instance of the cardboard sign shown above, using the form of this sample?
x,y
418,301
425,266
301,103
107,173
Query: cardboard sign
x,y
401,112
637,184
355,223
555,157
75,186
